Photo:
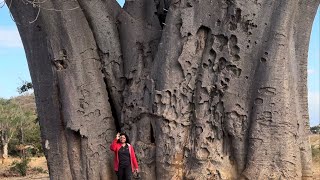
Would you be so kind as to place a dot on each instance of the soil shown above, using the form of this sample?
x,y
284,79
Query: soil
x,y
41,163
315,141
36,162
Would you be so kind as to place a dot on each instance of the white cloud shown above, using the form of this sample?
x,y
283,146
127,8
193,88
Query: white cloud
x,y
311,71
10,38
314,98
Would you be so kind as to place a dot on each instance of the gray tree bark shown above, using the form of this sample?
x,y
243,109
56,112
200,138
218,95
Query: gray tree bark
x,y
210,89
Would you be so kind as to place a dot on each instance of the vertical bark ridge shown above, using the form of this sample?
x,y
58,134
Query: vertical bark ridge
x,y
172,109
102,17
45,86
83,98
268,88
85,101
140,33
274,90
74,155
304,18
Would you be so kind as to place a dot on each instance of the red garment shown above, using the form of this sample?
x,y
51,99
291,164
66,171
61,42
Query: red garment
x,y
115,146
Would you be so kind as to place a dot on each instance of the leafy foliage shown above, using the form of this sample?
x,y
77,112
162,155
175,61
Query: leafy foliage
x,y
11,117
315,129
18,123
25,87
21,167
39,170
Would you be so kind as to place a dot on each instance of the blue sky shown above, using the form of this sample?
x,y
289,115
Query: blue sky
x,y
314,72
14,68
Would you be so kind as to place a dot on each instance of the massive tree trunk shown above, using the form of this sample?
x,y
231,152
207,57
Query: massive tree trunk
x,y
206,89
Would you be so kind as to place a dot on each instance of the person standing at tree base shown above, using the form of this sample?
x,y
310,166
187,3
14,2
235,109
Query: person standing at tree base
x,y
125,161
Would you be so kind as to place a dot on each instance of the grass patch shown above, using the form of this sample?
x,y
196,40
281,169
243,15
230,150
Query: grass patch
x,y
315,153
39,170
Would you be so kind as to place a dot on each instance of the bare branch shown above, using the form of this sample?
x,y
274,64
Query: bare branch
x,y
37,4
36,16
2,4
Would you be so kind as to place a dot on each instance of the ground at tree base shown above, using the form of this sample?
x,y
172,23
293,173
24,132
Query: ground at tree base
x,y
36,162
315,142
41,162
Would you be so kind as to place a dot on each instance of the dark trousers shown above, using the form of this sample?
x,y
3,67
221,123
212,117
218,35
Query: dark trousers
x,y
124,173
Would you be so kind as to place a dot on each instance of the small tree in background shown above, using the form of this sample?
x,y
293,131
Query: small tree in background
x,y
26,86
10,118
21,167
29,131
18,125
315,129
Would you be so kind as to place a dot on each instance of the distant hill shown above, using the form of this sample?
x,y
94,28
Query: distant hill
x,y
27,102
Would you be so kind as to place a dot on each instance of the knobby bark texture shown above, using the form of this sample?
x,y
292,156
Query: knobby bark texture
x,y
206,89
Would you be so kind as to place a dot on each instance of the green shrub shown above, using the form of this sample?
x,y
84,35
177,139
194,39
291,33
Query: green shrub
x,y
315,129
39,170
20,167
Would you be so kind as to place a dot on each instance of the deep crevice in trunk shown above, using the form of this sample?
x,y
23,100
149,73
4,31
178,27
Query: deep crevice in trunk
x,y
162,10
152,138
115,116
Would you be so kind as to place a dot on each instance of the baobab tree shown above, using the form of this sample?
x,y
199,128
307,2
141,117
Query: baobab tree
x,y
207,89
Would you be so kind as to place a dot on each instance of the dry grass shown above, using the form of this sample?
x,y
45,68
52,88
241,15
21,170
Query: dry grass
x,y
315,146
35,163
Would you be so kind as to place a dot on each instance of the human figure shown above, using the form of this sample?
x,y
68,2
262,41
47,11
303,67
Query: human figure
x,y
125,161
